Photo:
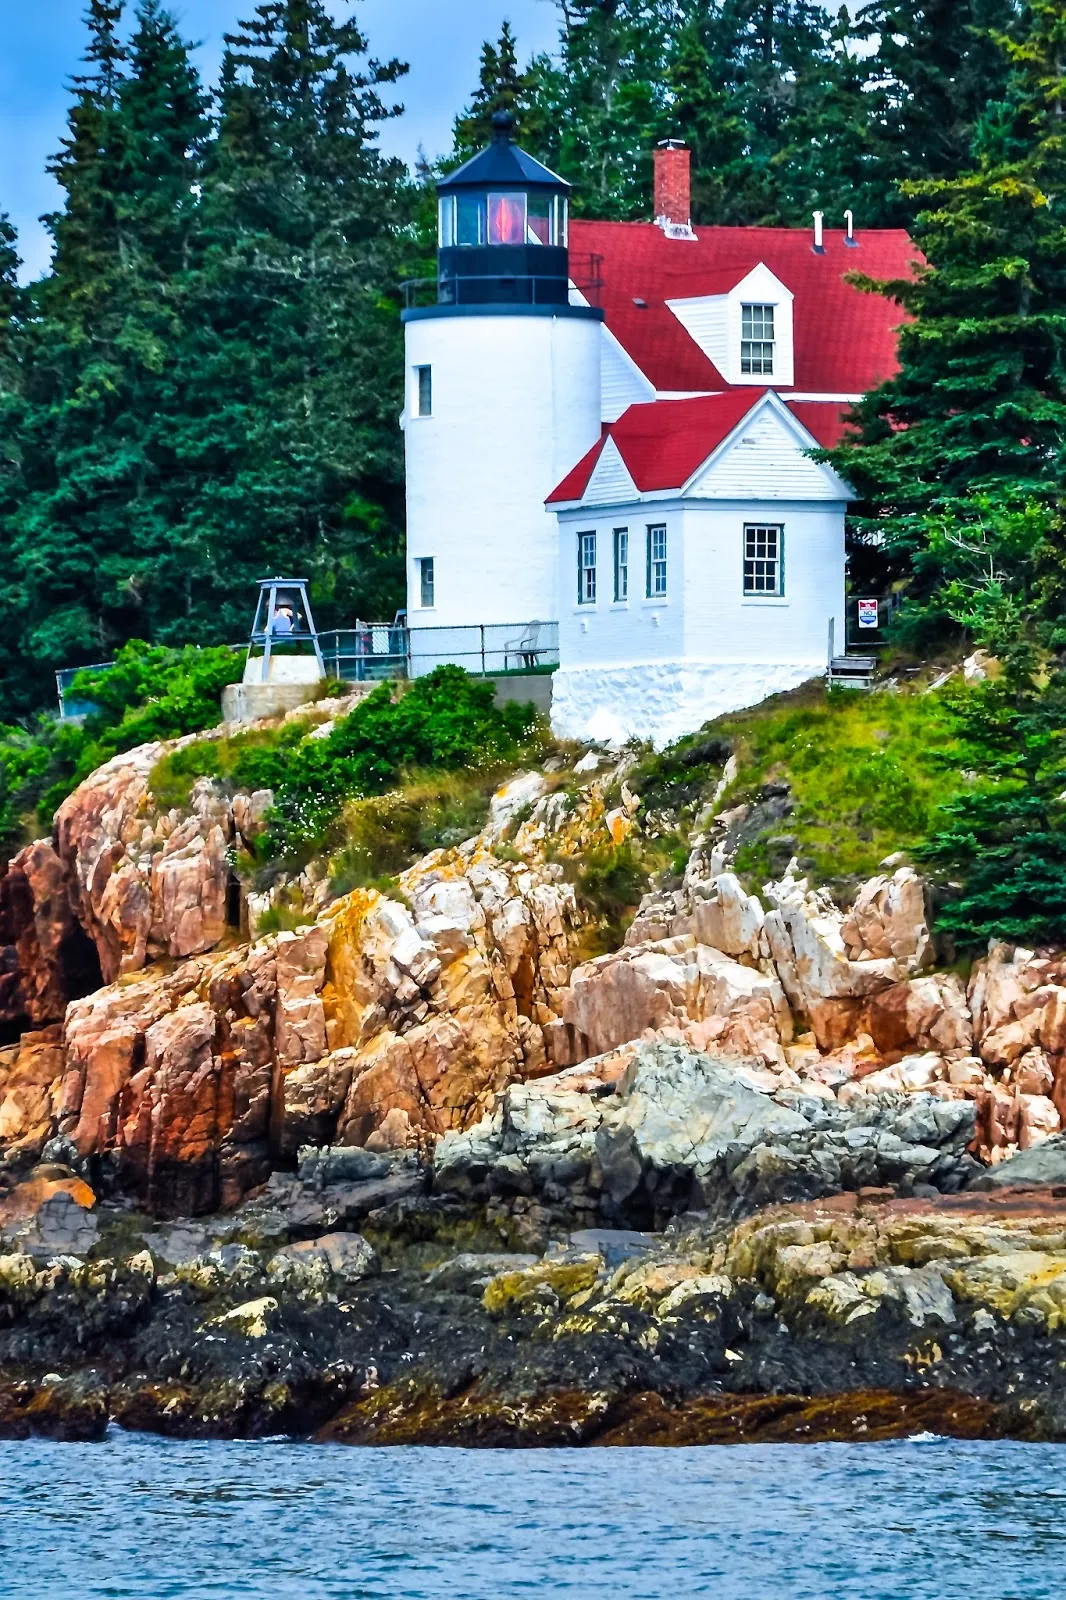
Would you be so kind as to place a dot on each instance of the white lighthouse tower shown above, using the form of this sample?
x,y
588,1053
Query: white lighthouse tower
x,y
503,396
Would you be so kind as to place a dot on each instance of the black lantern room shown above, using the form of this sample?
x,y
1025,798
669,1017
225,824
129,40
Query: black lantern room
x,y
503,228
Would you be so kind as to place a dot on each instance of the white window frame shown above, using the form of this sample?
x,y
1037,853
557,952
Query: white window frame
x,y
763,566
562,220
757,351
586,569
621,565
427,570
657,561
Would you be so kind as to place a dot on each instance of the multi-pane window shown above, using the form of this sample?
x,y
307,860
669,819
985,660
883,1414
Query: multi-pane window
x,y
426,580
656,562
424,391
621,563
757,340
764,559
586,569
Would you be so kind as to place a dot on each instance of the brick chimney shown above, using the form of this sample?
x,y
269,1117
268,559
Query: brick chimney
x,y
673,186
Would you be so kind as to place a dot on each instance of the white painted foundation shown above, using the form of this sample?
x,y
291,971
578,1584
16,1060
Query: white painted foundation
x,y
661,701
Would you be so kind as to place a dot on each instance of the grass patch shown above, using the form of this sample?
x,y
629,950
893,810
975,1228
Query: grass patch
x,y
867,774
610,880
379,837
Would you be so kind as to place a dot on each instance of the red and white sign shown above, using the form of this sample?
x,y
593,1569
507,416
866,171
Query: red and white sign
x,y
868,614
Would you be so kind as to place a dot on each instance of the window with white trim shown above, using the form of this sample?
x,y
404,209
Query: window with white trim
x,y
621,563
764,559
656,561
423,391
757,341
586,569
426,582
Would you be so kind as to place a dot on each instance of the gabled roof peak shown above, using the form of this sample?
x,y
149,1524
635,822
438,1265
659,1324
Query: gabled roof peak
x,y
665,442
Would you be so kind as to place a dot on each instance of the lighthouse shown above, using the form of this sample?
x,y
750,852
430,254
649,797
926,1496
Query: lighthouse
x,y
502,397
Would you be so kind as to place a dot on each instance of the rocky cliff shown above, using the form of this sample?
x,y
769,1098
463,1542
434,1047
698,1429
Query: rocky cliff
x,y
479,1084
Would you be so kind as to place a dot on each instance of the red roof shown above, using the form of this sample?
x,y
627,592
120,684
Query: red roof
x,y
664,442
828,422
845,340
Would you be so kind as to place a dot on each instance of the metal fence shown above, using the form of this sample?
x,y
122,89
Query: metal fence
x,y
486,650
366,653
371,652
69,705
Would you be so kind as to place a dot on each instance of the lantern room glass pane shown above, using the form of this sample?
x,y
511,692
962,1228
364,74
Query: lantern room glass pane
x,y
507,219
470,227
540,224
446,231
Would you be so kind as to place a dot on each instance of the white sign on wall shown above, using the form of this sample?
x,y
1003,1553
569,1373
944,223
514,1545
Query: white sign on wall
x,y
868,614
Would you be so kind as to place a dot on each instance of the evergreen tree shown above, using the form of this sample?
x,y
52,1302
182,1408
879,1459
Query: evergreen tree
x,y
294,386
601,111
1003,846
99,406
960,458
84,231
11,302
12,307
752,85
937,67
501,87
210,376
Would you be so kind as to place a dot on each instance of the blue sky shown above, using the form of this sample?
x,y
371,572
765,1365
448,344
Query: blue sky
x,y
440,38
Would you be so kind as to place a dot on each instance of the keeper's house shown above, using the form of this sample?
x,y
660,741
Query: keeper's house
x,y
609,425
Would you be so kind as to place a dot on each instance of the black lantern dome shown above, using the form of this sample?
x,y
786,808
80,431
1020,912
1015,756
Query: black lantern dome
x,y
503,228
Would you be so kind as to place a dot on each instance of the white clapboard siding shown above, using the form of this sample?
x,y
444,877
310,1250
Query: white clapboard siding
x,y
767,462
706,320
610,483
624,385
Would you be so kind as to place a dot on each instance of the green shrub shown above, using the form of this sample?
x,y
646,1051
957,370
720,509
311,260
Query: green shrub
x,y
446,721
249,761
610,881
148,693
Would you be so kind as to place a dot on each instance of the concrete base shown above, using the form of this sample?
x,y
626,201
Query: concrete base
x,y
537,686
662,700
249,702
283,669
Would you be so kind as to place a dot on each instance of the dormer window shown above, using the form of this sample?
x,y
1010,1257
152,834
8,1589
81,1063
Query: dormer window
x,y
757,341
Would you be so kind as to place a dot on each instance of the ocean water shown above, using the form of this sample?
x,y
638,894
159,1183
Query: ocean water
x,y
150,1519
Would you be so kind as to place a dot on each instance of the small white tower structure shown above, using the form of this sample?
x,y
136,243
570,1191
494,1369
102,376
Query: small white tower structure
x,y
503,396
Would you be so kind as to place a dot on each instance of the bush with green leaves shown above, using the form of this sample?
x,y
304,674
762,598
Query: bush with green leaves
x,y
147,693
446,721
257,759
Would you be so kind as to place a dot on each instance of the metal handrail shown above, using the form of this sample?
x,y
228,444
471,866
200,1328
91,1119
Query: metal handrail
x,y
590,287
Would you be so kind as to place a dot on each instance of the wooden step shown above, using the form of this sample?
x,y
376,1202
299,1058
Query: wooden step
x,y
852,672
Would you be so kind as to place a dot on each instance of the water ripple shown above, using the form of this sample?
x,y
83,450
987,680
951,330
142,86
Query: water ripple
x,y
138,1518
